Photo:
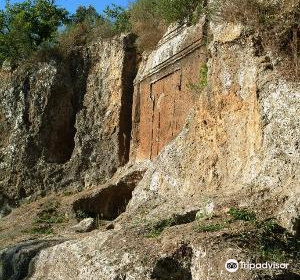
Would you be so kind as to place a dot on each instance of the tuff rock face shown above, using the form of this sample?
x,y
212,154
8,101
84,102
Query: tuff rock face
x,y
233,137
237,146
57,117
163,97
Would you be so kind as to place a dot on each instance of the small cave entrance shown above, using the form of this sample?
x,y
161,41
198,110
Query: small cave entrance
x,y
107,204
169,268
175,267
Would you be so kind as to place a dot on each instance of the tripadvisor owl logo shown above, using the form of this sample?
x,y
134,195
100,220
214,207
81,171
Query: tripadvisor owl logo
x,y
232,265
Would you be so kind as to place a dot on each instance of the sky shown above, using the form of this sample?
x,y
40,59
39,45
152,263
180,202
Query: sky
x,y
71,5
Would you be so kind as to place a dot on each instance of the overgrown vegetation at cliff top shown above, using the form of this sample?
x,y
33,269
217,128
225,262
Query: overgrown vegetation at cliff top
x,y
40,27
276,22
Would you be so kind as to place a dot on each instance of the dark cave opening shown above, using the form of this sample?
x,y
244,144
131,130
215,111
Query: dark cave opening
x,y
107,204
169,268
175,267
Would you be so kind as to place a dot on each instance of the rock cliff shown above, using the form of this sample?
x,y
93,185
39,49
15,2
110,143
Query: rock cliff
x,y
65,124
202,148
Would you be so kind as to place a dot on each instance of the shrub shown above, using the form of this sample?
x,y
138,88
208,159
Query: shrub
x,y
81,215
149,19
85,14
81,32
75,35
86,25
269,241
199,87
45,52
275,243
50,215
147,24
46,218
276,21
242,214
180,10
203,75
4,130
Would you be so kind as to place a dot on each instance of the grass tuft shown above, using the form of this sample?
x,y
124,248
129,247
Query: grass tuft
x,y
156,229
242,214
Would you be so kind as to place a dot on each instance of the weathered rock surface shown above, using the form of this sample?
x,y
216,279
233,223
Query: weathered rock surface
x,y
241,123
110,200
234,143
65,124
239,148
15,261
85,225
163,97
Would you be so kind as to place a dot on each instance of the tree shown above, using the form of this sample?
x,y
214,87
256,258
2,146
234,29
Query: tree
x,y
25,26
119,17
85,14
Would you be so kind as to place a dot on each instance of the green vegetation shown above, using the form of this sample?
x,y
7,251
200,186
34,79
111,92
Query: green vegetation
x,y
150,19
3,130
82,28
26,26
180,10
242,214
33,25
51,218
209,228
41,229
269,241
46,218
156,229
203,76
202,84
266,238
275,243
119,17
277,23
67,193
50,215
146,23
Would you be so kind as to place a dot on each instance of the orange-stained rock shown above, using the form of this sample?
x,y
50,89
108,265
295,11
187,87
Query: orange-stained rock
x,y
163,96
